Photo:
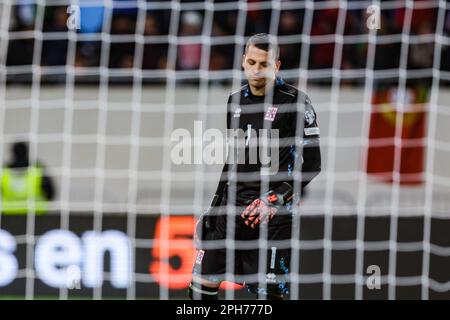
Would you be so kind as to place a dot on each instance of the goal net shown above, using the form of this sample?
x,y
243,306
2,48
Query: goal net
x,y
97,97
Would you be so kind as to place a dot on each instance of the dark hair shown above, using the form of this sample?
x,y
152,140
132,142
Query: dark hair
x,y
20,149
19,157
264,42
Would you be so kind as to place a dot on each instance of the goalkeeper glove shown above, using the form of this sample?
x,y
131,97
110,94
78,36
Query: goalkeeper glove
x,y
263,209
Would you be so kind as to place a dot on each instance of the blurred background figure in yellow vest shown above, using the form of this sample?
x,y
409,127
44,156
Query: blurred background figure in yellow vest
x,y
24,186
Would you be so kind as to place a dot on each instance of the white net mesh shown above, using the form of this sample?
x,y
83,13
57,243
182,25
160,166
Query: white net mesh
x,y
99,106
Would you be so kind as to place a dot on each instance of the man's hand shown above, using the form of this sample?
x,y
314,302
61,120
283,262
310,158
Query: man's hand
x,y
263,209
258,212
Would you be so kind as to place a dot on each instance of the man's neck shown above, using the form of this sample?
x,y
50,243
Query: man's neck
x,y
262,91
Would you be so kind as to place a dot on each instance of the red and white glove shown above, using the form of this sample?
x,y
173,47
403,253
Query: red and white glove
x,y
258,212
263,209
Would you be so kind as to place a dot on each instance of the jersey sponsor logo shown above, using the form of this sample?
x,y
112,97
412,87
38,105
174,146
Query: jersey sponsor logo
x,y
311,131
271,114
200,255
309,117
237,112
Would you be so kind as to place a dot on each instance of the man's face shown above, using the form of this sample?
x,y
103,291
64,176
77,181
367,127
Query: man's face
x,y
259,66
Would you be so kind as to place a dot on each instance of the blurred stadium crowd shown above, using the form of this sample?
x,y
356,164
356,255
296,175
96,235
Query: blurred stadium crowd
x,y
158,23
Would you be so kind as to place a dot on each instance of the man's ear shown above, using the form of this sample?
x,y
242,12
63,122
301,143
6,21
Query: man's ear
x,y
243,60
277,65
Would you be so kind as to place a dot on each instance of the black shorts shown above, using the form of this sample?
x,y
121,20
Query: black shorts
x,y
211,263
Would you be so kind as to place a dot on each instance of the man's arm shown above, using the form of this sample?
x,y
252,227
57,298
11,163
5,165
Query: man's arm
x,y
47,187
310,149
47,184
311,166
218,195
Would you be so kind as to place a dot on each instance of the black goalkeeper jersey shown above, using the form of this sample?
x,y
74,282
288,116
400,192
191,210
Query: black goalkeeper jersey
x,y
271,140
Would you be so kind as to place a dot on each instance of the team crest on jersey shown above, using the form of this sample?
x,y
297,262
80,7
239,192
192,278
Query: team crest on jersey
x,y
271,114
200,255
309,117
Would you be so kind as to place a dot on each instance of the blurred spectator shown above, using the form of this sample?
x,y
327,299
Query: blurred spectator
x,y
230,22
217,61
258,20
324,23
189,55
20,51
418,17
224,24
88,54
218,30
221,57
54,52
24,186
123,24
354,23
421,54
387,55
122,53
152,26
25,15
154,53
290,24
191,23
81,61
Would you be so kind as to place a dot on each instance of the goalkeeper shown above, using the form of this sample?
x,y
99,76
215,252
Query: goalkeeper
x,y
256,197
